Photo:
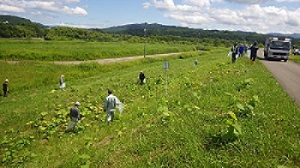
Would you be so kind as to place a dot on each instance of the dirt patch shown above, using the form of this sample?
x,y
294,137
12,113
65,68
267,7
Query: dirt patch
x,y
114,60
105,141
108,60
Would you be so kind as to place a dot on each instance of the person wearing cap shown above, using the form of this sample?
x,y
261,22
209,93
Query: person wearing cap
x,y
110,105
142,78
5,87
253,52
74,116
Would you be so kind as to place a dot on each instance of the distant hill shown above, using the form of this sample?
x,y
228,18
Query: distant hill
x,y
295,35
14,20
142,26
139,30
183,32
17,27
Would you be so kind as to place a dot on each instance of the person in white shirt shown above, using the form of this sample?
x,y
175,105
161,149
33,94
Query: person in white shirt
x,y
62,84
110,104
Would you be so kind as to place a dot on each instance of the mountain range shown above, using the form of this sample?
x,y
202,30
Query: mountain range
x,y
144,28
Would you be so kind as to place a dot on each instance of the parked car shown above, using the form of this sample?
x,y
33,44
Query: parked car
x,y
296,52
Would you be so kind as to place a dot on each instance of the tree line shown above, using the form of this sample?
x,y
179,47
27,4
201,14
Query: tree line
x,y
152,33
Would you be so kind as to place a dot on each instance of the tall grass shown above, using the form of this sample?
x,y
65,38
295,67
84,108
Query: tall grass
x,y
165,123
295,58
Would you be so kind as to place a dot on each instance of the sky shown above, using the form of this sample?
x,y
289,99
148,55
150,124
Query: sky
x,y
261,16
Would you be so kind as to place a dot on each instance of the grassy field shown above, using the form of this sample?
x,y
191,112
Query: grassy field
x,y
295,58
80,50
216,114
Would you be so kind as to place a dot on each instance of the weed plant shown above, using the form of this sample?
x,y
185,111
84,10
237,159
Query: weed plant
x,y
176,119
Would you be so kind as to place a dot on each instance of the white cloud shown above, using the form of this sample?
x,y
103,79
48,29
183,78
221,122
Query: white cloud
x,y
259,1
200,3
76,11
146,5
8,8
164,4
54,6
242,15
71,1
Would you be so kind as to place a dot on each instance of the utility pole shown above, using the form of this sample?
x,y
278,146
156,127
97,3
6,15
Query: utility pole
x,y
145,40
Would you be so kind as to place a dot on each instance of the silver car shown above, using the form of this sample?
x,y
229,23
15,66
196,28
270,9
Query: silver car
x,y
296,52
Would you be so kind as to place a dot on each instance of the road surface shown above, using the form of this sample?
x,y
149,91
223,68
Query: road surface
x,y
287,75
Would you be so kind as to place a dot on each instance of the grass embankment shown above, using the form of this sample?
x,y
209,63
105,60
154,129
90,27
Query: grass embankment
x,y
295,58
80,50
181,125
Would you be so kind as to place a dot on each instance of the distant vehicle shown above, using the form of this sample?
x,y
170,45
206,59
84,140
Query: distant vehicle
x,y
296,52
277,48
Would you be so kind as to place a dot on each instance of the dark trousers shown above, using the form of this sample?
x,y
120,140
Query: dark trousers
x,y
233,57
5,92
252,57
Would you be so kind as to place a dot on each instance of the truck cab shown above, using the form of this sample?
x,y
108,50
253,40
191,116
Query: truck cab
x,y
277,48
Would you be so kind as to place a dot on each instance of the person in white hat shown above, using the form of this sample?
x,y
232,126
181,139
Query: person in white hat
x,y
74,116
5,87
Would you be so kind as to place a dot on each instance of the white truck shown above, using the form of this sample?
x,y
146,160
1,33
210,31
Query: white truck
x,y
277,48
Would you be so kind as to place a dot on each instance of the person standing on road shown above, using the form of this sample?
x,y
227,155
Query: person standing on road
x,y
142,78
74,116
234,52
5,88
253,52
110,105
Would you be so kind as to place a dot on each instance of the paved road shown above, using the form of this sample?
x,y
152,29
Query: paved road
x,y
287,75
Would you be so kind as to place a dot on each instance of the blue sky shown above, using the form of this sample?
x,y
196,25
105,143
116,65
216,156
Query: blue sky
x,y
261,16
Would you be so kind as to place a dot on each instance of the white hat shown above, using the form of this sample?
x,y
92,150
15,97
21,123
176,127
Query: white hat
x,y
6,80
77,104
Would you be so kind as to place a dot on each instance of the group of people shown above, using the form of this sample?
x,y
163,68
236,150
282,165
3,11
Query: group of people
x,y
240,50
110,105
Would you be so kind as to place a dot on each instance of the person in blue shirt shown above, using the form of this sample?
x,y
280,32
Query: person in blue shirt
x,y
241,50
